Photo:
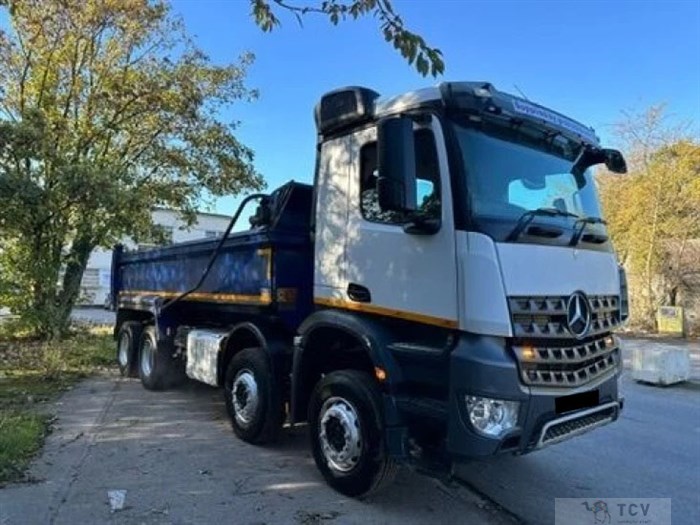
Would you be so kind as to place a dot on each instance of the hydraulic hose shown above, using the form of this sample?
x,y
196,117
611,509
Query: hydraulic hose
x,y
216,251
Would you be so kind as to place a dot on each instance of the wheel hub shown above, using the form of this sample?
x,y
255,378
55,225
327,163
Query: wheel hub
x,y
244,395
340,434
147,358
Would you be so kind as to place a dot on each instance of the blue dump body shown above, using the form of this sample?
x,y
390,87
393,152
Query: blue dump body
x,y
268,269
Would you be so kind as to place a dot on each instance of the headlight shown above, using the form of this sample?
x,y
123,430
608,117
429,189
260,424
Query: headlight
x,y
492,417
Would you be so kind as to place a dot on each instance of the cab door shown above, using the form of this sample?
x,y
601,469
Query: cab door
x,y
391,272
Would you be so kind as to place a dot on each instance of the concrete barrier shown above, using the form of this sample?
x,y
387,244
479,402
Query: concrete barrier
x,y
660,364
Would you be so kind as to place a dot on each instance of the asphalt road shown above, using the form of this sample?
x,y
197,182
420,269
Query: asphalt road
x,y
652,451
93,315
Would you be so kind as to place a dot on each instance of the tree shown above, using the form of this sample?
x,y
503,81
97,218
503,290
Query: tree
x,y
413,47
107,109
654,211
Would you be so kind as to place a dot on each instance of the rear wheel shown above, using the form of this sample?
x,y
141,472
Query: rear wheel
x,y
252,396
128,339
158,367
347,435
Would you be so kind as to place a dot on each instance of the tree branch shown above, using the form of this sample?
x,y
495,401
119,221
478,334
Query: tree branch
x,y
426,59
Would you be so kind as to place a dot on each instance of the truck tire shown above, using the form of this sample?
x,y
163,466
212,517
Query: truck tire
x,y
158,369
128,339
253,397
347,435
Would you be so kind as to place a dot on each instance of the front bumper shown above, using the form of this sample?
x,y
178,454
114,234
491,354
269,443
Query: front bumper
x,y
482,366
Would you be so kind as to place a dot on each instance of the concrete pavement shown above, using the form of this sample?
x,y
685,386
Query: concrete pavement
x,y
177,458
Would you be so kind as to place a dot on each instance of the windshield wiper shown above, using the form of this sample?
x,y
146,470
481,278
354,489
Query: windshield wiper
x,y
527,217
584,221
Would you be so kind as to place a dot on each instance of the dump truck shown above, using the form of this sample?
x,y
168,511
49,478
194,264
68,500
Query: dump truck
x,y
445,289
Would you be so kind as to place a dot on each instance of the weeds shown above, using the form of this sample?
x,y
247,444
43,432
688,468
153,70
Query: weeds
x,y
21,436
34,372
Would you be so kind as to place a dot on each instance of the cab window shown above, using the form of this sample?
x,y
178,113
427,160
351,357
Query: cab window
x,y
427,181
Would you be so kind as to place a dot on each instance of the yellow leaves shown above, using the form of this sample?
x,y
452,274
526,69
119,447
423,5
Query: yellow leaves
x,y
655,209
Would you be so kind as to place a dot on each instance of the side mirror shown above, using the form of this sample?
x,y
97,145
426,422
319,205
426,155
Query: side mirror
x,y
614,161
396,164
591,156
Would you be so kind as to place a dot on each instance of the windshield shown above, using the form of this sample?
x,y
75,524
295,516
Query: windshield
x,y
506,179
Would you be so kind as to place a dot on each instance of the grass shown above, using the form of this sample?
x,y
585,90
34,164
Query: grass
x,y
33,373
21,436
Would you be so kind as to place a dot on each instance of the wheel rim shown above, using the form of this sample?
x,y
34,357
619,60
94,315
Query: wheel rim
x,y
340,434
245,398
123,350
147,356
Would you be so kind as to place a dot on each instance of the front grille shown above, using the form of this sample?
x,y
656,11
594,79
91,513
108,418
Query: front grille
x,y
549,355
565,428
567,366
545,317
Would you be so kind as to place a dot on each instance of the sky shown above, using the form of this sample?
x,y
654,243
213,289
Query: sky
x,y
589,60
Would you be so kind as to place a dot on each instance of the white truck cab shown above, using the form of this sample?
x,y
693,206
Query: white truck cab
x,y
468,220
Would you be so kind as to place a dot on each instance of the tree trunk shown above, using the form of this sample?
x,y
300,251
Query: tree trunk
x,y
44,270
649,270
673,296
72,278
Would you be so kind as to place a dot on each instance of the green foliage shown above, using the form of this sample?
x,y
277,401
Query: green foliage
x,y
413,47
107,109
21,436
654,212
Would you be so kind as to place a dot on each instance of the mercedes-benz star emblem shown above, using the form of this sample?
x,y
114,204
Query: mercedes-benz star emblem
x,y
578,315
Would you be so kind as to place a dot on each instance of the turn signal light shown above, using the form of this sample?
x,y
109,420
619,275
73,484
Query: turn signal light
x,y
380,374
528,353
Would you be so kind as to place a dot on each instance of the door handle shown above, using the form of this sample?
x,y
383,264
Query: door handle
x,y
359,293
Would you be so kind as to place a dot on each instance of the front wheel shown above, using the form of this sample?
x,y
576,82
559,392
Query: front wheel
x,y
347,435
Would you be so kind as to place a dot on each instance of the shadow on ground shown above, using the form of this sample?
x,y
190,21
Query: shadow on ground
x,y
177,458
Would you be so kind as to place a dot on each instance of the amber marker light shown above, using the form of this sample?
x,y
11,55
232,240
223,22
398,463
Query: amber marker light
x,y
528,353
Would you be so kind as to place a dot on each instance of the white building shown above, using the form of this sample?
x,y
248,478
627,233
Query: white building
x,y
95,285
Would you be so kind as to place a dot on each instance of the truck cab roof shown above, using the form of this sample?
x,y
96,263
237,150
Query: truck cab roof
x,y
341,110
